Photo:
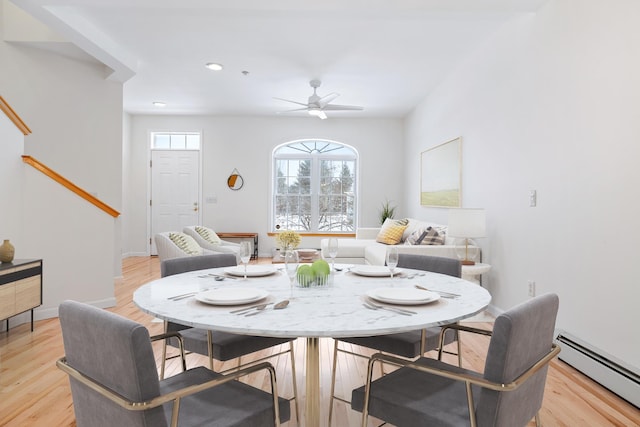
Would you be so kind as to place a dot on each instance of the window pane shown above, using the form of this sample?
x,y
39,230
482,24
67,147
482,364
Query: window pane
x,y
161,141
175,141
193,142
318,179
178,142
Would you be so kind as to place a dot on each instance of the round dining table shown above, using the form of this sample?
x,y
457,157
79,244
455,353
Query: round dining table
x,y
341,308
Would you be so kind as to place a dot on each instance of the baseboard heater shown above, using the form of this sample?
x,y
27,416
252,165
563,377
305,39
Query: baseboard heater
x,y
600,367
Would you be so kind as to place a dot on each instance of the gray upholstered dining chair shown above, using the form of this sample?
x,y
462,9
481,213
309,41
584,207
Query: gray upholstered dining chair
x,y
114,380
218,345
508,393
406,344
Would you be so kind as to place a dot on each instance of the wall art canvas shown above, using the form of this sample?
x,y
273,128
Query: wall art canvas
x,y
440,175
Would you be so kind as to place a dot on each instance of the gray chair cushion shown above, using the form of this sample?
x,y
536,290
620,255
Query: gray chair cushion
x,y
405,344
234,404
116,352
201,262
521,336
407,397
435,264
226,346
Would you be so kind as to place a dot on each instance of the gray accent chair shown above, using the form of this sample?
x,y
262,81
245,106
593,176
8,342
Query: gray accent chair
x,y
508,394
114,381
222,346
406,344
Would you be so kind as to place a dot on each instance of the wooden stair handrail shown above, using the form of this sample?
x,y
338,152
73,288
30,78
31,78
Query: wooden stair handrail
x,y
6,108
70,185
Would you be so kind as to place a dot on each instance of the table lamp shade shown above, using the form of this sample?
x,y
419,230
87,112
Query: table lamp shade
x,y
467,223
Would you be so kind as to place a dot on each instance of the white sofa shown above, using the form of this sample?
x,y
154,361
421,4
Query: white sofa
x,y
167,249
223,246
365,250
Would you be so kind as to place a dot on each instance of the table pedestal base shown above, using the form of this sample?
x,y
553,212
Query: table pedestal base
x,y
312,383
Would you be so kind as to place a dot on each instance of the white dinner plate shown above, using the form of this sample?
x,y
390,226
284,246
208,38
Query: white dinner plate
x,y
252,270
231,296
404,296
374,270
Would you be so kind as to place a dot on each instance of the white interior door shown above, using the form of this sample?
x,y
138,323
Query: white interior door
x,y
175,177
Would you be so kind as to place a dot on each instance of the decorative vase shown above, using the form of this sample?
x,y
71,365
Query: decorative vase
x,y
7,251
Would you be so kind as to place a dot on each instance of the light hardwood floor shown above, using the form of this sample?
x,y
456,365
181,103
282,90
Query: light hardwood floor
x,y
33,392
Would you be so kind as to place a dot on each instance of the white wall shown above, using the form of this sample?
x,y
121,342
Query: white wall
x,y
551,103
11,173
246,143
76,119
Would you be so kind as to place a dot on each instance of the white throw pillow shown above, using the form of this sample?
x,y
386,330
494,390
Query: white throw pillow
x,y
186,243
209,235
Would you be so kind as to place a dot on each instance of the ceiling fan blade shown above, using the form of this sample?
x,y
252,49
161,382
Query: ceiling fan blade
x,y
335,107
327,99
294,102
295,109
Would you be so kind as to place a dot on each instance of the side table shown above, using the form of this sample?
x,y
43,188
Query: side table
x,y
241,236
472,273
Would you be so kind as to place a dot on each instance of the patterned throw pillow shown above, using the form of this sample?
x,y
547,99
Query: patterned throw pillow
x,y
209,235
430,237
391,231
186,243
426,236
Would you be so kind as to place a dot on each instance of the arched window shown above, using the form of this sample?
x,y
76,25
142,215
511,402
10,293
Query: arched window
x,y
314,187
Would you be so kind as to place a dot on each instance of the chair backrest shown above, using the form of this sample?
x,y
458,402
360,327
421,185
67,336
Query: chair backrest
x,y
202,262
521,337
168,249
115,352
435,264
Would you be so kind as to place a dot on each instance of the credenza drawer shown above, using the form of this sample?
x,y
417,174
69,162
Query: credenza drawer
x,y
20,288
27,294
7,301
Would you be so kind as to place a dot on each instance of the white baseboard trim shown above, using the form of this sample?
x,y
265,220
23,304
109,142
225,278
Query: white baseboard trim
x,y
132,254
52,312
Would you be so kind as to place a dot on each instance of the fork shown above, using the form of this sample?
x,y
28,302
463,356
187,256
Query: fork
x,y
443,294
373,306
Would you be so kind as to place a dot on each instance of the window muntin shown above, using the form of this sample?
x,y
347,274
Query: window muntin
x,y
314,187
175,141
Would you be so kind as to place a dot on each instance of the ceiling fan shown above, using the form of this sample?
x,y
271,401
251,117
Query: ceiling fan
x,y
317,105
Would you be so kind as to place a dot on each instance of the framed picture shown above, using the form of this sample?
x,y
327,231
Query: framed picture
x,y
440,175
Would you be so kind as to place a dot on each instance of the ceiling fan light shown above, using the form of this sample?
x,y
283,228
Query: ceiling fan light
x,y
214,66
317,112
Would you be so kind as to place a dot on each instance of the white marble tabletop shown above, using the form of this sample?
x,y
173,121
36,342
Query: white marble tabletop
x,y
335,311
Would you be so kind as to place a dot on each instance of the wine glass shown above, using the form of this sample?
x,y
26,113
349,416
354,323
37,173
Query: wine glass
x,y
245,255
333,251
392,259
291,266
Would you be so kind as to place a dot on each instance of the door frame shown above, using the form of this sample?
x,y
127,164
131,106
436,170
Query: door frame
x,y
150,132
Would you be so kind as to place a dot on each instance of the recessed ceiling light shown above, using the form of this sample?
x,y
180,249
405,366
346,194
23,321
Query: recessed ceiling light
x,y
159,104
214,66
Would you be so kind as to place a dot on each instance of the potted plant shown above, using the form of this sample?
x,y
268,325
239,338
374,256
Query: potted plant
x,y
288,240
387,211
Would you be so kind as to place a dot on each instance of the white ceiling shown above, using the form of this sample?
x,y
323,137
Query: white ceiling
x,y
383,55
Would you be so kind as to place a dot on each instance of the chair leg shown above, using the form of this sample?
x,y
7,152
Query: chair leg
x,y
333,379
458,343
210,347
164,353
294,380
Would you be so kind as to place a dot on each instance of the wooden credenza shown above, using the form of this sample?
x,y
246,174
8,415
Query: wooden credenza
x,y
20,288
